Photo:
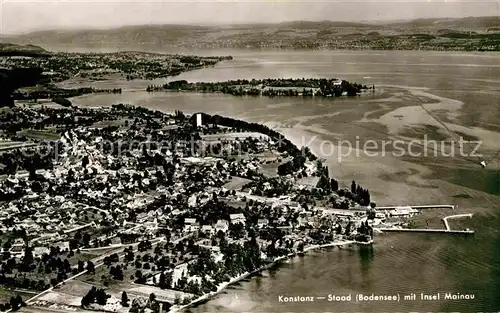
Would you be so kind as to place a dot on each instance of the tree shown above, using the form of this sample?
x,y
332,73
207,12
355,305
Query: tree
x,y
324,184
334,184
87,299
371,214
90,267
15,303
67,266
101,297
28,258
62,101
136,306
124,299
162,283
129,257
285,169
152,297
353,187
116,272
138,275
85,161
81,266
338,230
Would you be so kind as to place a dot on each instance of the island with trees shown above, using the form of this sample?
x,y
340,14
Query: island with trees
x,y
281,87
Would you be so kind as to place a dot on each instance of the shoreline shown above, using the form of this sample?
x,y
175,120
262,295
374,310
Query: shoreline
x,y
225,285
183,50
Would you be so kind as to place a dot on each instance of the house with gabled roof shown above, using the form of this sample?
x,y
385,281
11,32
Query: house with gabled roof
x,y
237,218
221,225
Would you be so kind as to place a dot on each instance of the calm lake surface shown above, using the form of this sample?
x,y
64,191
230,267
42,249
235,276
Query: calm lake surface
x,y
461,91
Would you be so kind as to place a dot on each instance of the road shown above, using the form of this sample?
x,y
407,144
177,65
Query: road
x,y
264,199
77,228
92,207
17,146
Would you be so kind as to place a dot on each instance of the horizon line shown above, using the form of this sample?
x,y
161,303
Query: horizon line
x,y
368,22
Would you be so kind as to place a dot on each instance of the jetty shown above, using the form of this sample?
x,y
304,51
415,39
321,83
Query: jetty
x,y
419,207
447,229
426,230
445,219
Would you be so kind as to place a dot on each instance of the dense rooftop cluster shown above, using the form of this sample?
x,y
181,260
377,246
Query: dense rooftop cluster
x,y
96,66
449,41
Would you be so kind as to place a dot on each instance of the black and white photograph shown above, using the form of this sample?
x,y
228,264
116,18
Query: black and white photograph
x,y
254,156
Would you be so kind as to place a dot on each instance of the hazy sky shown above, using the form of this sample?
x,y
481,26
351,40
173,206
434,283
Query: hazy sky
x,y
27,15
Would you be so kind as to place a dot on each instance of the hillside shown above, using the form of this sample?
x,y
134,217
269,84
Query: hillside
x,y
10,49
470,34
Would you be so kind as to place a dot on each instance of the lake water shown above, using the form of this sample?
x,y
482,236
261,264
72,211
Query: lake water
x,y
461,92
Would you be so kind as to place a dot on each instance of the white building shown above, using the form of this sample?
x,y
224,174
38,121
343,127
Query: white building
x,y
404,211
189,223
195,227
199,122
221,225
39,251
237,218
262,222
207,229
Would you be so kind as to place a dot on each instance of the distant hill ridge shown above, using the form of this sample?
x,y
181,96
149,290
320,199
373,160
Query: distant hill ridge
x,y
295,34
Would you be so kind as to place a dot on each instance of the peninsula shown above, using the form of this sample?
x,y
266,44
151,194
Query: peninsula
x,y
128,65
31,73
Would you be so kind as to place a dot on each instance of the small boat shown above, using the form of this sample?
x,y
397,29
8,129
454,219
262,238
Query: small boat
x,y
483,164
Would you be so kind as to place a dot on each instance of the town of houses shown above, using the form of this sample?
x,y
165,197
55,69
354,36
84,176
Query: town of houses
x,y
177,204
